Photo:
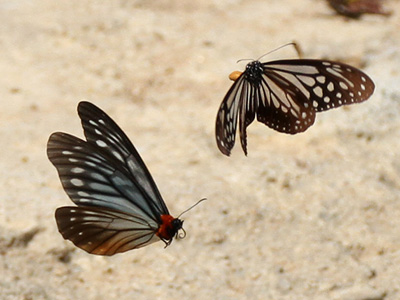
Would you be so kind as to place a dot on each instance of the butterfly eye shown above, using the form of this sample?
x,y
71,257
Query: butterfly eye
x,y
285,95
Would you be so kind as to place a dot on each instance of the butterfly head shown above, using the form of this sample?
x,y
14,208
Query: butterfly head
x,y
253,72
170,226
177,224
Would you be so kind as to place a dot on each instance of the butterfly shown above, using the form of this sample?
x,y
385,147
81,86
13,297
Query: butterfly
x,y
119,207
285,95
355,8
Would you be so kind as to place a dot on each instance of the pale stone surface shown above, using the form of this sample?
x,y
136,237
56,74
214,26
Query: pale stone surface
x,y
310,216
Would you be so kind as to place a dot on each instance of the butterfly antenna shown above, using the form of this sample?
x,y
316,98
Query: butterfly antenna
x,y
182,234
198,202
243,59
298,50
294,44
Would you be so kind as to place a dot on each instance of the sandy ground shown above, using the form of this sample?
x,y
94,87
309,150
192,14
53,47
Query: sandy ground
x,y
310,216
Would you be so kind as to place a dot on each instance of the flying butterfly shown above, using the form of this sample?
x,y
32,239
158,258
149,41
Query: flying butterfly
x,y
285,95
119,207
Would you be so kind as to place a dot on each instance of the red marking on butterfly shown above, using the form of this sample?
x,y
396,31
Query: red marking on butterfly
x,y
119,207
285,95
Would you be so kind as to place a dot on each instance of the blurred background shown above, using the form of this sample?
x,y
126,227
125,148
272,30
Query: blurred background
x,y
309,216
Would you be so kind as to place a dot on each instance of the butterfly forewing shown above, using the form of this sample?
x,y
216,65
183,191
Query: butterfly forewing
x,y
325,84
102,131
285,95
247,111
91,179
104,231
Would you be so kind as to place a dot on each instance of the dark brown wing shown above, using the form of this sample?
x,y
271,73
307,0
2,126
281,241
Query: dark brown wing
x,y
326,84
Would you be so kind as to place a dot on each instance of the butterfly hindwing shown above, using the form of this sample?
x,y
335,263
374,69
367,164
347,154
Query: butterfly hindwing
x,y
247,112
227,116
104,231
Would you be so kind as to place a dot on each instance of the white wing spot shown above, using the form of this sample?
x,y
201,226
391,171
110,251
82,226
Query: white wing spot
x,y
318,91
76,182
83,194
315,104
275,101
351,94
93,122
321,79
294,113
102,122
307,80
339,95
326,63
89,163
327,99
363,79
66,152
343,85
80,233
72,219
117,155
330,86
77,170
303,115
98,131
73,160
363,87
101,143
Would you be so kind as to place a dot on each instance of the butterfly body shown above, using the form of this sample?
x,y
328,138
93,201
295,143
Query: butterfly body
x,y
254,71
119,207
285,95
168,228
